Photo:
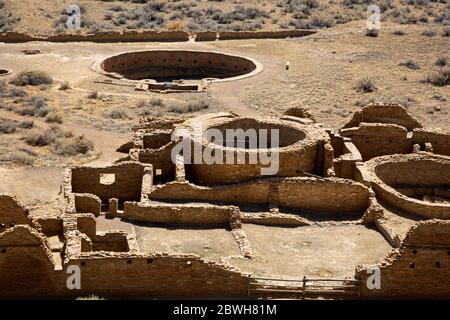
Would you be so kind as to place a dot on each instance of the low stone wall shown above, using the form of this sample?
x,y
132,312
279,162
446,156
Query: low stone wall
x,y
440,141
323,195
109,274
377,139
87,203
180,214
206,36
127,36
418,269
277,34
421,170
125,181
388,114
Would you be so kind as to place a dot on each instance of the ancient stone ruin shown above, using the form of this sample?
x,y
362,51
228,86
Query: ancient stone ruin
x,y
382,171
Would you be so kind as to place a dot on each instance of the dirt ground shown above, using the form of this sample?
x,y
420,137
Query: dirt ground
x,y
324,252
209,243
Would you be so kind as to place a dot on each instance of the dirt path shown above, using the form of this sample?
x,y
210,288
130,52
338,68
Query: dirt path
x,y
105,142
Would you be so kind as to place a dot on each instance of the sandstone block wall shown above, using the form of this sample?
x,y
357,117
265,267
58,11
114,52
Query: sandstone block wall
x,y
179,214
329,195
87,203
231,35
387,114
419,269
439,140
11,212
373,140
126,186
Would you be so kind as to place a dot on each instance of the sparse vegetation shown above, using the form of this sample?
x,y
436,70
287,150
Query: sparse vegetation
x,y
410,64
62,142
366,85
439,78
117,113
441,61
93,95
372,32
32,78
54,117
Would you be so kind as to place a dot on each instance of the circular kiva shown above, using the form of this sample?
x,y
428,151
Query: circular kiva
x,y
289,147
174,65
416,183
4,72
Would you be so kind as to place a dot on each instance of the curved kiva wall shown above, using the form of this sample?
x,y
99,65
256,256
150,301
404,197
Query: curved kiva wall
x,y
169,65
416,183
301,150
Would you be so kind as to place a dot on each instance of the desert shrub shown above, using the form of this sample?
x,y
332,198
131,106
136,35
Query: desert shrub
x,y
72,146
31,78
443,17
156,102
197,105
17,93
36,106
440,77
7,126
399,32
439,97
93,94
19,157
39,138
117,113
446,32
410,64
64,85
372,32
366,85
146,111
441,61
193,105
7,20
319,21
429,33
26,124
54,117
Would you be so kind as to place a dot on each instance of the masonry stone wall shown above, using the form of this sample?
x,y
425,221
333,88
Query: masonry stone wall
x,y
418,269
440,141
328,195
387,114
388,175
11,212
374,139
126,185
179,214
87,203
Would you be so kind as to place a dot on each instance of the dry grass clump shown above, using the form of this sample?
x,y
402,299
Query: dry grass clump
x,y
193,105
54,117
62,142
439,78
23,156
410,64
64,85
117,113
366,85
9,126
35,106
32,78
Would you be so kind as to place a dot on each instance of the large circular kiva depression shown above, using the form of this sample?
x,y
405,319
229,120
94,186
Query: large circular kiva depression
x,y
242,147
415,183
172,65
